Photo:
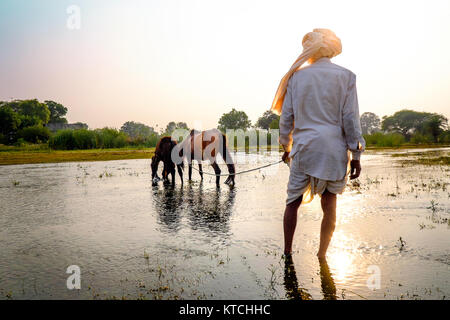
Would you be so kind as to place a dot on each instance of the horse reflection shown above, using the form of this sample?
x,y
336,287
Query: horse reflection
x,y
291,283
206,210
168,204
210,210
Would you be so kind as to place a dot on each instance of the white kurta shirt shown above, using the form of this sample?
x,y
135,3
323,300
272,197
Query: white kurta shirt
x,y
321,115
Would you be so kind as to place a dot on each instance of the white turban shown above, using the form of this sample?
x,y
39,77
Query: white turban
x,y
317,44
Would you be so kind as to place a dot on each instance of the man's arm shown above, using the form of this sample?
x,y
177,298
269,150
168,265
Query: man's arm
x,y
352,127
287,122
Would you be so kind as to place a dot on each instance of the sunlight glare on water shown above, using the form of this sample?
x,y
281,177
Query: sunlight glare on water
x,y
132,240
341,258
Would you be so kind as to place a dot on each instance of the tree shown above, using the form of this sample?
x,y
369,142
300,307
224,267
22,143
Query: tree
x,y
434,125
31,112
266,119
408,122
234,120
9,123
275,124
35,134
172,126
57,112
404,122
370,123
444,137
136,129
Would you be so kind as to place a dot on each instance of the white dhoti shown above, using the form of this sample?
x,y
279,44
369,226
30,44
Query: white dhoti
x,y
308,186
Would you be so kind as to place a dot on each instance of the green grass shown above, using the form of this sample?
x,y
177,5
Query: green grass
x,y
41,153
35,154
430,157
25,148
443,160
428,153
409,146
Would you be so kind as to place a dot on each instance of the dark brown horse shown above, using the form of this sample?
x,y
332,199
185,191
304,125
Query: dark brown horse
x,y
206,145
163,152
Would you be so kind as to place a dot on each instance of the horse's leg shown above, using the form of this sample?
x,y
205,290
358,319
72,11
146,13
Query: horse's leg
x,y
228,160
190,171
154,166
200,170
217,171
231,171
155,172
165,173
173,173
180,172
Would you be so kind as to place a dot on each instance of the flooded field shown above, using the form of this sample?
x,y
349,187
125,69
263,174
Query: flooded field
x,y
132,240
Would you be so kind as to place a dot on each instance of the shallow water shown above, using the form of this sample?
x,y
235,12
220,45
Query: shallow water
x,y
132,240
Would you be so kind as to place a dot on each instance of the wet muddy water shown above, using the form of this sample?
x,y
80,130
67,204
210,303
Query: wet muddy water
x,y
132,240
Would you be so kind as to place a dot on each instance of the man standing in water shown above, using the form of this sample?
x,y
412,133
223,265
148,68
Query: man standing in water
x,y
319,127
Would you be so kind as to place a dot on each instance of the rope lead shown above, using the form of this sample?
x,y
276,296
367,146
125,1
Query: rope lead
x,y
236,173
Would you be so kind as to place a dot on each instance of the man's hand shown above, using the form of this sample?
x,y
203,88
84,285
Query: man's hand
x,y
355,169
285,156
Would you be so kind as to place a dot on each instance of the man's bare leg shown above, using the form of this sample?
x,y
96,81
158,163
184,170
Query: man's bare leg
x,y
289,224
328,222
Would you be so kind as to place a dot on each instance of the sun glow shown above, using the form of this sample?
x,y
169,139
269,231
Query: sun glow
x,y
194,60
341,258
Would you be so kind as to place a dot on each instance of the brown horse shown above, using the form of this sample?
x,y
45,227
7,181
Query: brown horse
x,y
163,151
206,145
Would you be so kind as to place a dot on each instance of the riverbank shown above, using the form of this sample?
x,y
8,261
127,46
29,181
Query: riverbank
x,y
18,156
10,155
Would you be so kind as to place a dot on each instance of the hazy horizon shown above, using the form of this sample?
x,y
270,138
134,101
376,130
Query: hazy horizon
x,y
159,61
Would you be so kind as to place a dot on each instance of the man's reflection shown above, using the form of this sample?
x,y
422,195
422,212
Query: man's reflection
x,y
328,286
291,283
293,292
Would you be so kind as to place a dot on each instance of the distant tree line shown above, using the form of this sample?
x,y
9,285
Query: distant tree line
x,y
31,121
28,121
405,126
239,120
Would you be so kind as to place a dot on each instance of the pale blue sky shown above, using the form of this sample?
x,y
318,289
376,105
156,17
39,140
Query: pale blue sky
x,y
157,61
